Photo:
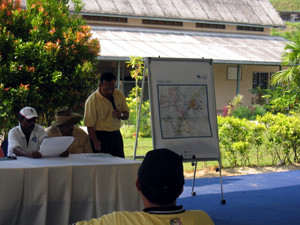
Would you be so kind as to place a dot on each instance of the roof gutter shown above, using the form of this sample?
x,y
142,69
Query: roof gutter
x,y
217,61
241,62
113,58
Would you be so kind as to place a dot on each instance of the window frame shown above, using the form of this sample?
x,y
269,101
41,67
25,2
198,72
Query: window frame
x,y
260,80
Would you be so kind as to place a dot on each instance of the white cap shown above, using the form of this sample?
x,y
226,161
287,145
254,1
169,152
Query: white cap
x,y
28,112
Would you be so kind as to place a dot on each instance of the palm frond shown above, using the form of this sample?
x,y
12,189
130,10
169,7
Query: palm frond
x,y
283,77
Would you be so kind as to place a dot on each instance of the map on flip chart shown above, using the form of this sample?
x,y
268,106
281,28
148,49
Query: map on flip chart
x,y
184,111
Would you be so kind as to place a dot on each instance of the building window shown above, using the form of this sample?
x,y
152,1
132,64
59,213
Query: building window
x,y
213,26
260,80
232,73
105,19
246,28
162,22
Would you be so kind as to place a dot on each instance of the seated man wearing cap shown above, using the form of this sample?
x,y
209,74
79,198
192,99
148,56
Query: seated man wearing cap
x,y
64,126
160,181
25,139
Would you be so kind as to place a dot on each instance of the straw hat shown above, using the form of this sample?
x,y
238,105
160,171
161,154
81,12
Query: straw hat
x,y
65,116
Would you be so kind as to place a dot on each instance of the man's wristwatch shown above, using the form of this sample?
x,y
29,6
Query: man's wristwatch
x,y
121,115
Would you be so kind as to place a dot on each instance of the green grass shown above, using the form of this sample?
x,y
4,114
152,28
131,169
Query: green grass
x,y
145,145
286,5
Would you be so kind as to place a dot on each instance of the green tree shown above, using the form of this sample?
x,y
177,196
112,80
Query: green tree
x,y
137,65
286,33
134,101
47,59
283,99
290,59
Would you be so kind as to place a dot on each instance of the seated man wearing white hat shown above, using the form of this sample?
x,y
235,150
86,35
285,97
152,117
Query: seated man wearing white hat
x,y
65,126
25,139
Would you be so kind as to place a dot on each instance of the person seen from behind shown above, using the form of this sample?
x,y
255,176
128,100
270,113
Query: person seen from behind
x,y
160,182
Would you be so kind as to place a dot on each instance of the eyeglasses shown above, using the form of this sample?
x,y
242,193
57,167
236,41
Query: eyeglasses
x,y
31,120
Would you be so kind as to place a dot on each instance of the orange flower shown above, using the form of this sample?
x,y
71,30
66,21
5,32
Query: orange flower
x,y
31,69
85,28
22,86
50,45
41,9
52,31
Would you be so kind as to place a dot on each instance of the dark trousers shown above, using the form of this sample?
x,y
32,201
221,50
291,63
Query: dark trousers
x,y
111,142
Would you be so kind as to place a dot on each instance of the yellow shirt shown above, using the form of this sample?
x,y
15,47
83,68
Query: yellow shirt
x,y
81,143
98,111
193,217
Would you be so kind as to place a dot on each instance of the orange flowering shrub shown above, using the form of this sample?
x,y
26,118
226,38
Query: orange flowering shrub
x,y
47,59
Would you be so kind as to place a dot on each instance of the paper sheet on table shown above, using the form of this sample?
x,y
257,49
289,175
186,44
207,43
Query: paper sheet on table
x,y
54,146
98,155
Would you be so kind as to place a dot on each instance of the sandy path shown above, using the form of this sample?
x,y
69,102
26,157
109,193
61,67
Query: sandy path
x,y
210,172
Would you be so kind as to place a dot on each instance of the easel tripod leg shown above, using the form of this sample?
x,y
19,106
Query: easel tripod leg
x,y
194,193
223,201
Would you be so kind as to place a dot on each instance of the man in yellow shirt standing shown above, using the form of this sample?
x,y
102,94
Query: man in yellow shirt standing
x,y
160,181
104,110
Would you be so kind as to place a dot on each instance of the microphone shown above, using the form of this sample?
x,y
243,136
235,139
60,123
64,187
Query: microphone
x,y
113,102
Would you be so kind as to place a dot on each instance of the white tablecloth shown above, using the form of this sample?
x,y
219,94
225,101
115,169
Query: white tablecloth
x,y
59,191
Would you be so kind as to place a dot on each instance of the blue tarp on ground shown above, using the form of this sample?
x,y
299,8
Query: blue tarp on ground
x,y
269,198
